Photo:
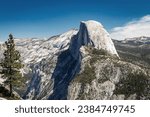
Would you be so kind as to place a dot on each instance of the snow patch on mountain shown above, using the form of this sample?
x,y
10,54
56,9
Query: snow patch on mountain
x,y
34,50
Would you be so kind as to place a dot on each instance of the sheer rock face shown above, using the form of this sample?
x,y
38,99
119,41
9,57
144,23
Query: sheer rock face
x,y
92,33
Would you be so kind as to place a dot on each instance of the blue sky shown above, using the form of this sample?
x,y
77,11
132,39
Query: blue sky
x,y
44,18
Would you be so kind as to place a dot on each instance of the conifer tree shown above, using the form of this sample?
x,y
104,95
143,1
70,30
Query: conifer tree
x,y
11,65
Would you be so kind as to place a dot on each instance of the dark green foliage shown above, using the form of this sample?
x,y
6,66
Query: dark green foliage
x,y
11,65
97,55
6,94
134,83
81,95
99,52
105,74
87,76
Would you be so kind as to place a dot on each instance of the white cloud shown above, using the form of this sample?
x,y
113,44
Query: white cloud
x,y
136,28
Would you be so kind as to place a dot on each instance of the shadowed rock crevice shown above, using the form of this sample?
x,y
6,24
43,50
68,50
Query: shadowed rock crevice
x,y
66,68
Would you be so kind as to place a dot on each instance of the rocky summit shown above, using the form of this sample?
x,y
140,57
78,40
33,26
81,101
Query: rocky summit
x,y
80,64
92,33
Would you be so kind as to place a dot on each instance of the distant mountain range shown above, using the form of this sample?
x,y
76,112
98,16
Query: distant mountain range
x,y
136,40
136,50
84,64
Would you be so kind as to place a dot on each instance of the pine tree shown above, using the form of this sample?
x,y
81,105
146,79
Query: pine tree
x,y
11,65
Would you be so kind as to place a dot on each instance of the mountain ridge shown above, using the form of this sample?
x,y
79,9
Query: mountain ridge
x,y
78,65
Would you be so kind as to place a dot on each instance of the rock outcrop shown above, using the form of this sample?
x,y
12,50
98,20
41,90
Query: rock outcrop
x,y
92,33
